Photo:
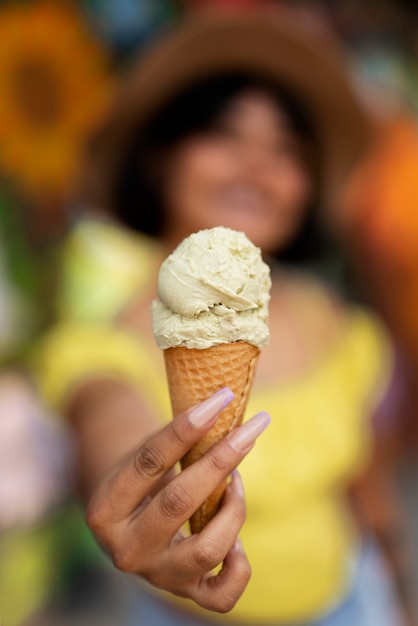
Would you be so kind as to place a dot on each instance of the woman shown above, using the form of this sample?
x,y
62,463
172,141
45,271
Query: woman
x,y
244,121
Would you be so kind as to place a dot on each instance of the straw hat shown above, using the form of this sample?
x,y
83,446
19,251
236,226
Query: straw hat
x,y
265,42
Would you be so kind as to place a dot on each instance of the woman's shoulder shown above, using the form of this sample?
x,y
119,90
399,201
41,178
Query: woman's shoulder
x,y
350,336
72,352
327,323
102,266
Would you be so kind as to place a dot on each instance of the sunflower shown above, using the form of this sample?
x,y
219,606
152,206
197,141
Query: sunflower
x,y
54,86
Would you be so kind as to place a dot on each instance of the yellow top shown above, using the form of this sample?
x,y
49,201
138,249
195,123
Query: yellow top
x,y
298,534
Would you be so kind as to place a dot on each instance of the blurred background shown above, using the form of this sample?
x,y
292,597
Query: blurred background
x,y
60,62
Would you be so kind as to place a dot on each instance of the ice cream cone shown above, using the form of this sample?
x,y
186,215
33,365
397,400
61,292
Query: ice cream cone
x,y
193,375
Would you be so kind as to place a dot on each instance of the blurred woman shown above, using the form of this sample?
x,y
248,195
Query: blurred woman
x,y
246,121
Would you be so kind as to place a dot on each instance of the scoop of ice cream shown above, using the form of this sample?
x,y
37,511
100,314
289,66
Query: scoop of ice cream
x,y
214,288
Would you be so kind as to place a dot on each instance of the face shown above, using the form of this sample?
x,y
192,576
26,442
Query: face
x,y
248,173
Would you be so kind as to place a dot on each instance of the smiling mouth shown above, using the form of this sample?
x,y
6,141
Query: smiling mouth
x,y
243,197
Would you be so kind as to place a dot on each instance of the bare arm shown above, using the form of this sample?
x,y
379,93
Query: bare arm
x,y
110,420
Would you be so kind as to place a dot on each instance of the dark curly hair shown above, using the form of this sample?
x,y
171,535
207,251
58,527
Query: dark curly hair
x,y
138,201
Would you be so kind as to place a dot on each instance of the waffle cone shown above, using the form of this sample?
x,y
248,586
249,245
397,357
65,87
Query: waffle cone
x,y
194,375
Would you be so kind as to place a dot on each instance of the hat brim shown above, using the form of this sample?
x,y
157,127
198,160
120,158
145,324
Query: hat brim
x,y
261,42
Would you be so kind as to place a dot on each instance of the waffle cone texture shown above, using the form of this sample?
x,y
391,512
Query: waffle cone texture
x,y
194,375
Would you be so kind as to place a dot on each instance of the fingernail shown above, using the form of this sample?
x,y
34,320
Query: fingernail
x,y
241,439
238,547
237,484
204,412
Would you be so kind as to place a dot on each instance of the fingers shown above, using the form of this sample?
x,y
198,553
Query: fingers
x,y
141,530
121,493
185,568
201,553
174,504
145,545
222,591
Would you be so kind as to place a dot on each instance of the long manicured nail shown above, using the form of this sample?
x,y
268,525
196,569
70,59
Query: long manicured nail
x,y
236,483
238,547
243,438
204,412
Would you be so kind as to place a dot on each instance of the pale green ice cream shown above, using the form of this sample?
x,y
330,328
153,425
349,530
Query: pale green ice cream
x,y
214,288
